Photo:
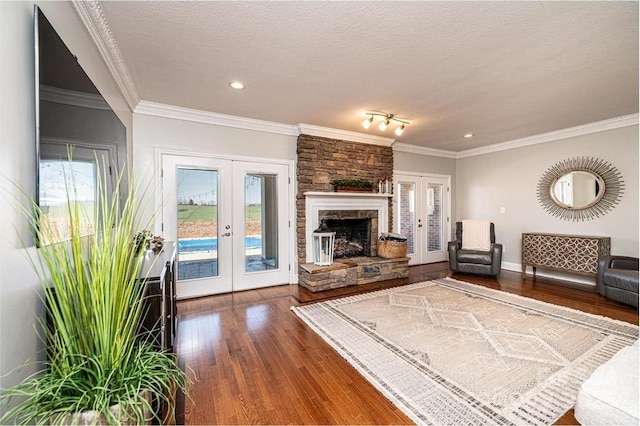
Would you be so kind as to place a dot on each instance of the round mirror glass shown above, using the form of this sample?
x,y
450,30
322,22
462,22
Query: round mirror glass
x,y
577,189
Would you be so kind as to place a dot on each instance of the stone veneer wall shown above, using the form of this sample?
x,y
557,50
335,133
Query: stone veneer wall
x,y
321,160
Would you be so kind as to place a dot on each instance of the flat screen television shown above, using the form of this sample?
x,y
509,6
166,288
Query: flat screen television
x,y
70,113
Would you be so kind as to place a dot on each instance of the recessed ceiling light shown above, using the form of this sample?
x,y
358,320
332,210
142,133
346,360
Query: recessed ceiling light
x,y
468,135
237,85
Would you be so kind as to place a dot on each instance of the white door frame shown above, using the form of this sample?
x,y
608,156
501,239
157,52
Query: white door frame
x,y
158,152
421,255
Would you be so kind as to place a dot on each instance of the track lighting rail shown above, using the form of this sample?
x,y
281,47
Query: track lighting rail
x,y
386,120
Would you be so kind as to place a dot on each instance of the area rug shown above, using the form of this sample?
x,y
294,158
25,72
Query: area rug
x,y
450,352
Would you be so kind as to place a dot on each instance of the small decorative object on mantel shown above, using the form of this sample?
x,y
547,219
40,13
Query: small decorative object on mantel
x,y
352,185
392,246
384,185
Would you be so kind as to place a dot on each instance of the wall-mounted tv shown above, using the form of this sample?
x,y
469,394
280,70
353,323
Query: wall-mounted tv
x,y
70,112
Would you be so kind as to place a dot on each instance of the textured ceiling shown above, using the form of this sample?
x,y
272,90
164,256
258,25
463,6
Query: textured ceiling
x,y
501,70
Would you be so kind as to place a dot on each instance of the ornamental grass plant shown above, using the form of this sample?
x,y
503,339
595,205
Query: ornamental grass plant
x,y
97,356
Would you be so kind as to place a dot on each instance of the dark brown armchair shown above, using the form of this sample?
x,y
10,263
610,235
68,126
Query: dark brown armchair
x,y
475,261
617,278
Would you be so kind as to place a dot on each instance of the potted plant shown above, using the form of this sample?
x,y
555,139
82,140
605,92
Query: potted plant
x,y
99,368
352,185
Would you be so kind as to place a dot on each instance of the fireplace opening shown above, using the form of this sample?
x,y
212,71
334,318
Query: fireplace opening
x,y
353,237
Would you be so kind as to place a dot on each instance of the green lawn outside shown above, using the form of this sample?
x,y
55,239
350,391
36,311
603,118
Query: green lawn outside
x,y
189,213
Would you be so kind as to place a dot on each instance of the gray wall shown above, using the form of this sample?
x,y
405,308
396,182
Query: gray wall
x,y
19,303
509,179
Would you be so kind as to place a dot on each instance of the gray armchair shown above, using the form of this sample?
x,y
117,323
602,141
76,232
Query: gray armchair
x,y
617,278
474,261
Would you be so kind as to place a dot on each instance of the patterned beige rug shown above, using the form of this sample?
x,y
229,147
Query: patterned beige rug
x,y
450,352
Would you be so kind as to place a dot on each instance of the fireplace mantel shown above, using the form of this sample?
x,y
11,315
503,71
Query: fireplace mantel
x,y
315,201
325,194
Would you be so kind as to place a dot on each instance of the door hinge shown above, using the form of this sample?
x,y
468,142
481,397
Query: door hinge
x,y
161,172
162,227
447,219
110,171
447,189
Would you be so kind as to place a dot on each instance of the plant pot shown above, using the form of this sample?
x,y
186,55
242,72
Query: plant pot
x,y
92,417
352,189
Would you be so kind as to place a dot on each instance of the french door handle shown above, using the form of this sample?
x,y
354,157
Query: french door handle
x,y
226,234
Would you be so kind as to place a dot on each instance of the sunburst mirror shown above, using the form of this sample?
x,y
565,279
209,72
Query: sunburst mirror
x,y
580,188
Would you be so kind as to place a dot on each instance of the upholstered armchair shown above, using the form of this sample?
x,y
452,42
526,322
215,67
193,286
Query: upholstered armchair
x,y
480,254
617,278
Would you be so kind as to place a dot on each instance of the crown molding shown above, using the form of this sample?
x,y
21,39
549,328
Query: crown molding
x,y
188,114
421,150
327,132
598,126
206,117
73,98
93,18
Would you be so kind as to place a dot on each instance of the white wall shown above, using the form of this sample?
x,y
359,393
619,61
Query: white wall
x,y
509,179
18,285
19,302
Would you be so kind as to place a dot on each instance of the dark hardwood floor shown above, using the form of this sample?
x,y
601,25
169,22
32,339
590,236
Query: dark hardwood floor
x,y
257,363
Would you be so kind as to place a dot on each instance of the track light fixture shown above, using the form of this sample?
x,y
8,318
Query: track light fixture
x,y
386,120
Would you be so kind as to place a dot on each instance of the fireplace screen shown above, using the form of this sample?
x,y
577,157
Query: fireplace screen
x,y
353,237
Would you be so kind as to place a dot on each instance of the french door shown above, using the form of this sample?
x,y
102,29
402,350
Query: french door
x,y
230,220
422,205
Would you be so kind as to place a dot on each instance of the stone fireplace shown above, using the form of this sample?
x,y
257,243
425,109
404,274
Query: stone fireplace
x,y
358,218
320,160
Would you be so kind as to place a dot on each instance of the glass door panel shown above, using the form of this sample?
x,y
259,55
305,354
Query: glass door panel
x,y
435,226
407,192
197,212
261,222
